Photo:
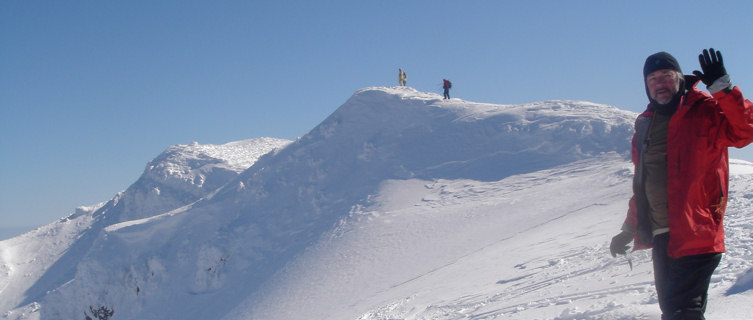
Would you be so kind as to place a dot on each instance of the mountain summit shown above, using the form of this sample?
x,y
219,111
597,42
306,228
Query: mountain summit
x,y
365,217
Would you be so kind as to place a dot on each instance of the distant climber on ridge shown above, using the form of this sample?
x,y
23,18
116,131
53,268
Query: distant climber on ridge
x,y
446,85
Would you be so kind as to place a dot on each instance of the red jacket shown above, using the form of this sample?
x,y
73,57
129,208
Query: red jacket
x,y
699,133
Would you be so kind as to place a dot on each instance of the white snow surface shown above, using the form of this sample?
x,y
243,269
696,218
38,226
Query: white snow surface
x,y
400,205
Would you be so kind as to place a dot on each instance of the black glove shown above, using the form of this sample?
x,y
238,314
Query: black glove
x,y
712,66
620,242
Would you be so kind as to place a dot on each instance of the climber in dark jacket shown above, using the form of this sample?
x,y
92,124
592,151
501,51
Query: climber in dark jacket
x,y
446,85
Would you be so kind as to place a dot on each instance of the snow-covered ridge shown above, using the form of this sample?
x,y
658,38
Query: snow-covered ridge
x,y
193,164
399,205
740,167
236,156
50,253
183,174
224,250
287,200
422,135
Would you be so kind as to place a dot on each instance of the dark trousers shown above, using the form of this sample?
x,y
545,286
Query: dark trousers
x,y
682,284
446,93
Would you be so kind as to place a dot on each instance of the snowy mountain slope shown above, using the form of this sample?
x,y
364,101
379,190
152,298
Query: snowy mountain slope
x,y
38,261
221,250
401,205
26,259
418,243
561,269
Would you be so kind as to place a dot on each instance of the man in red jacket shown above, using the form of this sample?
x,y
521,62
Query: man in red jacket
x,y
681,177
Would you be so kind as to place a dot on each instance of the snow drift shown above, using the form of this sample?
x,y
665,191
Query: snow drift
x,y
400,205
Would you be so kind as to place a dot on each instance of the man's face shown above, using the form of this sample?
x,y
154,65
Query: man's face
x,y
663,84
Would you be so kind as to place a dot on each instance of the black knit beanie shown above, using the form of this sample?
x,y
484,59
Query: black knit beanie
x,y
659,61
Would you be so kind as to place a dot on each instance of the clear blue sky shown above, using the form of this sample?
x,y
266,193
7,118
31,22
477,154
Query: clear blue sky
x,y
90,91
